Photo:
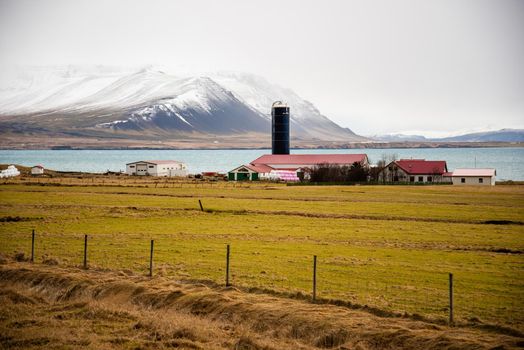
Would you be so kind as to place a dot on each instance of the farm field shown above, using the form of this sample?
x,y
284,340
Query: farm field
x,y
390,248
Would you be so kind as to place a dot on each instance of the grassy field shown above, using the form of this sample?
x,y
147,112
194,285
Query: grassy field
x,y
389,247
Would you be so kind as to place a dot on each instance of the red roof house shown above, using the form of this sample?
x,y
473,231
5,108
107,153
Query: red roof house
x,y
415,170
422,166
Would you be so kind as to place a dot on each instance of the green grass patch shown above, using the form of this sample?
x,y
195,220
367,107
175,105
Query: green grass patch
x,y
386,247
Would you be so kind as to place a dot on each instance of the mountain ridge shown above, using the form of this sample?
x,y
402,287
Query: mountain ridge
x,y
156,103
501,135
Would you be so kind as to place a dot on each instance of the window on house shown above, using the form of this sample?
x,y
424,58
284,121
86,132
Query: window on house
x,y
412,179
421,179
481,180
131,166
151,166
430,179
463,180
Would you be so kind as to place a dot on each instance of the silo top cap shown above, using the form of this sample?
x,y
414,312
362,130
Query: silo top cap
x,y
279,104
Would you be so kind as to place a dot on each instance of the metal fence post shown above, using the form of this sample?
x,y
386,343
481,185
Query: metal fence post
x,y
33,246
151,259
450,299
201,207
227,265
85,251
314,278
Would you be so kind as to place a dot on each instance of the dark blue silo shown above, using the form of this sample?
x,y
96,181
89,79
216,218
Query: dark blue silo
x,y
280,125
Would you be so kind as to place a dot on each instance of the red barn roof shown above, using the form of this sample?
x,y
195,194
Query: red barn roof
x,y
422,166
260,168
310,159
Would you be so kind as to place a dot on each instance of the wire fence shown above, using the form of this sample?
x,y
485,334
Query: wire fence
x,y
266,267
131,181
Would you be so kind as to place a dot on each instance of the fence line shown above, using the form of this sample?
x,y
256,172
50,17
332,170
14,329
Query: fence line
x,y
290,285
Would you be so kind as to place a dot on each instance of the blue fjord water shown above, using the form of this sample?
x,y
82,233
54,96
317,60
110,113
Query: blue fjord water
x,y
509,162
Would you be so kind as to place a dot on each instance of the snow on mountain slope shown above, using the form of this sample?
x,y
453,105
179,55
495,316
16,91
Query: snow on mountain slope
x,y
260,94
198,104
104,97
38,89
306,119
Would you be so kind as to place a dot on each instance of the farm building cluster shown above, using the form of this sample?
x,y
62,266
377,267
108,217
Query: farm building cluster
x,y
280,165
291,167
297,167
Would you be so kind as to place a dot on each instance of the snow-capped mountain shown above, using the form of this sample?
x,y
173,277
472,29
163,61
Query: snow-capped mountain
x,y
258,93
196,104
502,135
98,99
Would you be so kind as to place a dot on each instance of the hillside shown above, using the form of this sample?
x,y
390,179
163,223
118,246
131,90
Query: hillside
x,y
502,135
152,105
51,307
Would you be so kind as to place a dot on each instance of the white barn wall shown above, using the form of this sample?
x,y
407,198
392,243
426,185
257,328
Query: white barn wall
x,y
37,171
474,180
152,169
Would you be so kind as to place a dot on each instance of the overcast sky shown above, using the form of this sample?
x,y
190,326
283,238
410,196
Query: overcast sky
x,y
421,66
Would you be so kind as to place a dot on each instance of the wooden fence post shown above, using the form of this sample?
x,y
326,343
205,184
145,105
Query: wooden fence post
x,y
227,266
85,252
201,207
151,259
451,299
314,278
33,246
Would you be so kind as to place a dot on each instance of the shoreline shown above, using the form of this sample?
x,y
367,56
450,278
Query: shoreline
x,y
358,145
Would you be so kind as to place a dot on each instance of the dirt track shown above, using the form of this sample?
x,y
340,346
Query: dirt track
x,y
50,307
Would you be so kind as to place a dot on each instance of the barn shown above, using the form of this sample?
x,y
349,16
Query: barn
x,y
477,176
156,168
280,166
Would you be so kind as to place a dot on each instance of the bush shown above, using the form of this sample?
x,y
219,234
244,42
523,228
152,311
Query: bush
x,y
337,173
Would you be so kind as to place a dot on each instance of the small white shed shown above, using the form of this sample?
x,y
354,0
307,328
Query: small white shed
x,y
157,168
477,176
37,170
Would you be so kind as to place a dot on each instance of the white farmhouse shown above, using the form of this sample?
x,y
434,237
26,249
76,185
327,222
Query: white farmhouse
x,y
415,171
476,176
37,170
156,168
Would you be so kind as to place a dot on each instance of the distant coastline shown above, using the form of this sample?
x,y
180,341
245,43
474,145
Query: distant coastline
x,y
232,145
509,161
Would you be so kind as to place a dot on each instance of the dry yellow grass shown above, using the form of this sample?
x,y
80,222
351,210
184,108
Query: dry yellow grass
x,y
52,307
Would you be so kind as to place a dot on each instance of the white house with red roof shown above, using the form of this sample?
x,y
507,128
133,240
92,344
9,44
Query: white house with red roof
x,y
415,171
475,176
279,166
156,168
